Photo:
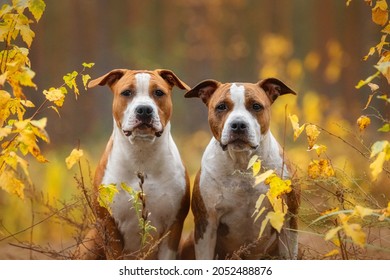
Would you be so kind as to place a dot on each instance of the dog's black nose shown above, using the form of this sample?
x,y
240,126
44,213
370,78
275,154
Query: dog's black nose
x,y
144,112
238,127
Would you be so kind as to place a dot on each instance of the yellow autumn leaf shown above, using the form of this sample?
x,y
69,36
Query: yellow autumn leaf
x,y
379,12
259,213
3,78
27,103
356,233
73,158
363,122
27,142
278,186
5,131
106,195
278,204
362,211
263,176
332,233
55,95
329,211
259,201
37,7
85,78
263,225
332,253
252,161
320,169
377,165
312,133
256,167
320,149
39,123
295,125
385,212
370,53
373,87
11,184
384,69
276,219
88,65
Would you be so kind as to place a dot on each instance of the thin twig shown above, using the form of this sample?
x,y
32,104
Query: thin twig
x,y
37,223
350,145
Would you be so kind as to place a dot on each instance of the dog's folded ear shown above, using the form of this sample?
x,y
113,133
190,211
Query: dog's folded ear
x,y
204,90
274,88
108,79
172,79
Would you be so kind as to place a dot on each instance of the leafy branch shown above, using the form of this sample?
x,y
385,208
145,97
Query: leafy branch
x,y
19,135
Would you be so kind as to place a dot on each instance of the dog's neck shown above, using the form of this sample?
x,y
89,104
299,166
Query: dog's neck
x,y
136,152
268,151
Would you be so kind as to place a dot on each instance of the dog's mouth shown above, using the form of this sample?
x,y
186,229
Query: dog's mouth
x,y
143,130
238,144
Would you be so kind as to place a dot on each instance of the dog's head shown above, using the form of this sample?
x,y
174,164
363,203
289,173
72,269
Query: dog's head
x,y
239,113
142,104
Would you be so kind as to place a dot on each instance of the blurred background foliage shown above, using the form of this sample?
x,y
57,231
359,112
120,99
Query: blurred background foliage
x,y
316,47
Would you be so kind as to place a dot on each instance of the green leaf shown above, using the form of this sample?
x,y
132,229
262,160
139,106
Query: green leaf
x,y
70,81
385,128
106,195
368,80
37,7
378,147
85,79
88,65
384,97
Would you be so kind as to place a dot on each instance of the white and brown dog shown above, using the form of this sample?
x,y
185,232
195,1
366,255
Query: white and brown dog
x,y
141,141
224,194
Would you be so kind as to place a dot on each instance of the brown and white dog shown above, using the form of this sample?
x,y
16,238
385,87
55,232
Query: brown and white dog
x,y
141,141
224,194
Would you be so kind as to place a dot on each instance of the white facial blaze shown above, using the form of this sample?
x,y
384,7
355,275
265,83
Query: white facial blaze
x,y
143,81
240,113
141,97
237,94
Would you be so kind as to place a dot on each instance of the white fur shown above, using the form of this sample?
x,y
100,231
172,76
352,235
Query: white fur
x,y
158,158
164,185
229,191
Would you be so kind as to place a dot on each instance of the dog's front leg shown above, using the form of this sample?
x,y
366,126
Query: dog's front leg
x,y
205,244
165,252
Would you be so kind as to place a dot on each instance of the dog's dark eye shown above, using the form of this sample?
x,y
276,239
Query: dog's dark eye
x,y
257,107
159,93
221,107
126,92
